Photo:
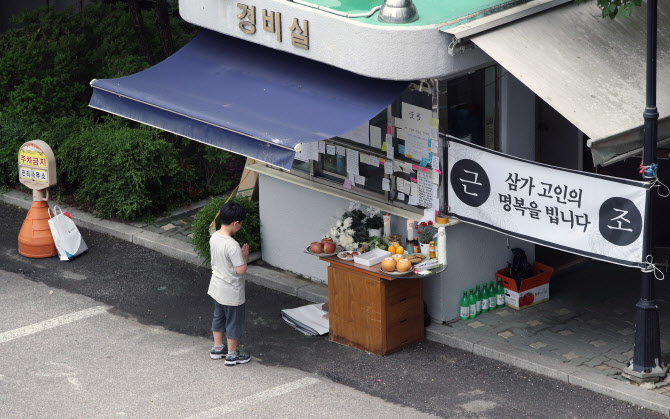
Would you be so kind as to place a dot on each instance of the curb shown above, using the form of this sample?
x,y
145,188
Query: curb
x,y
501,351
318,293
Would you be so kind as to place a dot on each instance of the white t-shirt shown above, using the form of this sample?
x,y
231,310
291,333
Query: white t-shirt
x,y
226,285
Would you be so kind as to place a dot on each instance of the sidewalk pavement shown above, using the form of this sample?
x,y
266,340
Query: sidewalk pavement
x,y
583,335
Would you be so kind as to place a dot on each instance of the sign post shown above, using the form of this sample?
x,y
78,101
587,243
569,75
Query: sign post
x,y
647,365
37,170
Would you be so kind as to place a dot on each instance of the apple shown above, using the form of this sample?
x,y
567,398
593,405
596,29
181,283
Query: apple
x,y
326,240
316,247
329,247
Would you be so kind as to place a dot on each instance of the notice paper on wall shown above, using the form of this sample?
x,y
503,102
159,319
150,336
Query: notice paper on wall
x,y
359,134
401,196
359,180
413,200
330,149
425,189
417,120
388,167
417,147
375,137
373,161
322,147
414,189
352,161
340,150
364,158
386,185
389,146
435,164
308,151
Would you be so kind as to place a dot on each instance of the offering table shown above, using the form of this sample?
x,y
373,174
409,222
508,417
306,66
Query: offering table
x,y
371,310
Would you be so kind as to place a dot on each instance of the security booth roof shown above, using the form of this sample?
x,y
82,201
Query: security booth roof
x,y
590,69
246,98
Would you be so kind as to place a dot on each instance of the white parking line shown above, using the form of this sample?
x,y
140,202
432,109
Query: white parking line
x,y
256,398
51,323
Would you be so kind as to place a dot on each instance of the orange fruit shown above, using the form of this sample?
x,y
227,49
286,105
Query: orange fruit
x,y
391,249
396,245
399,251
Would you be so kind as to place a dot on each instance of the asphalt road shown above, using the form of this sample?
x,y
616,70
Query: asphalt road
x,y
141,350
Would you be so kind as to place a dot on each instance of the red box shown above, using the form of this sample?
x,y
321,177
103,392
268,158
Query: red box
x,y
534,290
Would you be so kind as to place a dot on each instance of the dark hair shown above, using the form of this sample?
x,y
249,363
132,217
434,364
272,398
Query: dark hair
x,y
231,212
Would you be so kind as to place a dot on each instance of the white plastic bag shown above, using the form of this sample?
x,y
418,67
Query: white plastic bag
x,y
69,242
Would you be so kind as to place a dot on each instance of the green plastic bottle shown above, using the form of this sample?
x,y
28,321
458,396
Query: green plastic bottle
x,y
478,298
492,296
485,298
465,306
473,304
500,294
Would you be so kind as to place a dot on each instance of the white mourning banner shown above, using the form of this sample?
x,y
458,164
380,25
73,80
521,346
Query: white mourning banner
x,y
597,216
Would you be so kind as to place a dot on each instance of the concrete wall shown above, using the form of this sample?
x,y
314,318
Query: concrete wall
x,y
388,52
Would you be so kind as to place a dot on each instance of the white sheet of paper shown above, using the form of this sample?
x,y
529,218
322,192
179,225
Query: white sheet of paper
x,y
436,199
330,149
364,158
413,200
322,147
352,177
373,161
341,150
359,180
414,189
401,196
401,133
352,161
435,164
359,134
417,120
425,189
375,137
311,150
386,185
388,167
389,146
416,147
436,178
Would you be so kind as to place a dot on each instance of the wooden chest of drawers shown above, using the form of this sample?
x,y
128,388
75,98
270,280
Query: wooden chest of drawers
x,y
372,311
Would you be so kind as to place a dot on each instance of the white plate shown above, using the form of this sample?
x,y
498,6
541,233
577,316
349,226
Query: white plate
x,y
338,249
342,255
396,273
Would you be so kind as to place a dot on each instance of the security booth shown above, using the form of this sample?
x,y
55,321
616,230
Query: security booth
x,y
334,105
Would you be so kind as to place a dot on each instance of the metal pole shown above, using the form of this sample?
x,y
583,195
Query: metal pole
x,y
647,365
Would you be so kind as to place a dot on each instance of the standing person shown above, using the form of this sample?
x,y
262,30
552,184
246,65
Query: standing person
x,y
226,287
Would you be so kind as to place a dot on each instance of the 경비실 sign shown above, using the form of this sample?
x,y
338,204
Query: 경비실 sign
x,y
597,216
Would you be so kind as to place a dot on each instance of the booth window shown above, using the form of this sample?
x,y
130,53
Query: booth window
x,y
464,107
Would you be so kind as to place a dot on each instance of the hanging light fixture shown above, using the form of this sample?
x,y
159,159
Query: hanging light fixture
x,y
398,11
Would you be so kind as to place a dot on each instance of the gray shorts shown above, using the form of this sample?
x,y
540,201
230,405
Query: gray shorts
x,y
229,320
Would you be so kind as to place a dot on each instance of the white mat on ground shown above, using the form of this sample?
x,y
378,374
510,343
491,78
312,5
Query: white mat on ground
x,y
308,319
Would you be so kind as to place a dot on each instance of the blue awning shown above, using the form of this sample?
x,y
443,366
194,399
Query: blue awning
x,y
246,98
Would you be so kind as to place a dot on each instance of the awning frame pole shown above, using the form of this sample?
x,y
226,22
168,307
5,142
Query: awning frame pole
x,y
647,365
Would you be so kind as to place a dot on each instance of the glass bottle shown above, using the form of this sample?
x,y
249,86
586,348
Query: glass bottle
x,y
431,250
465,306
485,298
478,298
492,296
500,294
473,304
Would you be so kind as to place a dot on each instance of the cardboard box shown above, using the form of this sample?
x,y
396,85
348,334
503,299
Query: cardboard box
x,y
534,290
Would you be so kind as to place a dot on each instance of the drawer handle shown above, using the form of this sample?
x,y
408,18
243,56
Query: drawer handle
x,y
400,301
403,321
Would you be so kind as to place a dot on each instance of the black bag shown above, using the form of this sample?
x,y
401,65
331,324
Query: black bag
x,y
519,269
